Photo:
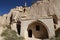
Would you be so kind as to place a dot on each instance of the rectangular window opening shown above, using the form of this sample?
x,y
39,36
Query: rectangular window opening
x,y
37,28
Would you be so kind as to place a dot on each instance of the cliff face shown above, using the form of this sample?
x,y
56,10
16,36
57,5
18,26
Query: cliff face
x,y
54,7
46,8
43,8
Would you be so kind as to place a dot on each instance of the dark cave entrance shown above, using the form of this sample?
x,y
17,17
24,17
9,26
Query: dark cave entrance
x,y
30,33
18,25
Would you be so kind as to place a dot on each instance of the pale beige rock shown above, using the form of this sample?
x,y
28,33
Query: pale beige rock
x,y
41,10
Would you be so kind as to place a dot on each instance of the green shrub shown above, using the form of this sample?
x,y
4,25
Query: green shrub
x,y
10,35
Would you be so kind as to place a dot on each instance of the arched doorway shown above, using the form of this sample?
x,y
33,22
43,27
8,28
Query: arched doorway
x,y
30,33
38,29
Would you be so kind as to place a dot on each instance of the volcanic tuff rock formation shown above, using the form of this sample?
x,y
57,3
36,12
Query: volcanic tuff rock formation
x,y
42,9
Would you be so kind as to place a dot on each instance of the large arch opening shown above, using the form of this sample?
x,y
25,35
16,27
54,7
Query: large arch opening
x,y
38,30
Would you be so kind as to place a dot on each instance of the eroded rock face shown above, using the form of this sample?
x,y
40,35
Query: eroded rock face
x,y
39,9
42,8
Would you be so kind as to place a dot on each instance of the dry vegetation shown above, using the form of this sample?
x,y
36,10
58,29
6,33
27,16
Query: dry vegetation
x,y
9,34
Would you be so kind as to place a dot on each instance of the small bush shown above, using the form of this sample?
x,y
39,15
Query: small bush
x,y
10,35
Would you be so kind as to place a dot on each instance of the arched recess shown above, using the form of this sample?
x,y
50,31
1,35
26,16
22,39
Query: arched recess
x,y
18,26
38,29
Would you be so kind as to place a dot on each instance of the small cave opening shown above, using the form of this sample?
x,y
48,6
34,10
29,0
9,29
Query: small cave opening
x,y
18,25
55,19
29,33
11,17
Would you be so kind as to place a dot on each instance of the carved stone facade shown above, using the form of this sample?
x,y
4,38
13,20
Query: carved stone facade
x,y
39,21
